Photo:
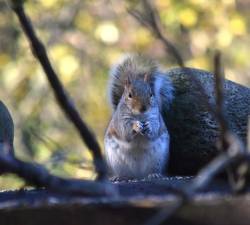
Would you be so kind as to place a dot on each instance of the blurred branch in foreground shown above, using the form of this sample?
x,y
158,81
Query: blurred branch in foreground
x,y
36,174
227,140
62,98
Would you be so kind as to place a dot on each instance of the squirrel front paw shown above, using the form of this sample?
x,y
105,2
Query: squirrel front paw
x,y
116,179
142,128
138,127
155,176
147,129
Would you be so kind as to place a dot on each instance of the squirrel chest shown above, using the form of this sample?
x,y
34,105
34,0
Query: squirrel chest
x,y
138,158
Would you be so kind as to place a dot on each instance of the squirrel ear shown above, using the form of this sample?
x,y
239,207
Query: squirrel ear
x,y
146,77
128,81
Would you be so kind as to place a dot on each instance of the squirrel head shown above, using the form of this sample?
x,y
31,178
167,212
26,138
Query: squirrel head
x,y
138,95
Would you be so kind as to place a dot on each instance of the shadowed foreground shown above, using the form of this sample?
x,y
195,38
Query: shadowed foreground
x,y
138,201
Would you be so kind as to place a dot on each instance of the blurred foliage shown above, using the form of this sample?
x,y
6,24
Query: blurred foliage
x,y
83,39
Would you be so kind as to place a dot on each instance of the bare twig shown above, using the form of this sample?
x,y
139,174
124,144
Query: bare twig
x,y
219,91
38,176
227,141
62,98
218,165
150,19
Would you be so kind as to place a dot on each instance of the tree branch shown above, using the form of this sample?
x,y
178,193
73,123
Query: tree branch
x,y
62,98
219,91
38,176
228,140
150,19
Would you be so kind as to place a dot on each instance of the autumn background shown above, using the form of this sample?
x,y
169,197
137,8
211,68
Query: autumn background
x,y
83,39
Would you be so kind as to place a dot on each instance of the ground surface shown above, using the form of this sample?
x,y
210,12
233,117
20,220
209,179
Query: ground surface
x,y
138,201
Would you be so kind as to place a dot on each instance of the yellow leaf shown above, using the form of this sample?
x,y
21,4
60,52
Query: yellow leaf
x,y
11,76
142,37
199,62
199,2
237,25
49,3
228,2
200,42
84,21
107,32
188,17
112,56
67,68
162,3
4,59
224,38
59,51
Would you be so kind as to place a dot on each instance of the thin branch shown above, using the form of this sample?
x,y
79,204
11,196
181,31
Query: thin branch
x,y
227,140
218,165
219,91
150,19
62,98
38,176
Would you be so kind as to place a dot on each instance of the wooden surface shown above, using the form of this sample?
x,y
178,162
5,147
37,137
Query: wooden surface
x,y
138,201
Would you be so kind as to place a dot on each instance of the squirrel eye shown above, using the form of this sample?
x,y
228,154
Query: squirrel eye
x,y
151,94
130,95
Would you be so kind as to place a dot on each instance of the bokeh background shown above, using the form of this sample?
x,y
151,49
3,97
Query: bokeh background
x,y
83,39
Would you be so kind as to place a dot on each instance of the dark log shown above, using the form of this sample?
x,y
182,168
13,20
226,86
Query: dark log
x,y
193,128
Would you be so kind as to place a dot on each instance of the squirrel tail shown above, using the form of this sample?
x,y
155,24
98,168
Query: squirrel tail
x,y
136,66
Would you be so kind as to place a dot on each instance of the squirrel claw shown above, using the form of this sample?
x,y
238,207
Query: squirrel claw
x,y
146,128
116,179
137,127
154,176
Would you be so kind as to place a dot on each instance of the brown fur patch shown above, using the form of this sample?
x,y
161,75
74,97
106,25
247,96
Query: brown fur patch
x,y
112,132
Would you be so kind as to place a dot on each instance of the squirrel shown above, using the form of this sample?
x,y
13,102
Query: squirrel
x,y
136,140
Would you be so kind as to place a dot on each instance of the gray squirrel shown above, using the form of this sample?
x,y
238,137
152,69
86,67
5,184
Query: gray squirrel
x,y
137,140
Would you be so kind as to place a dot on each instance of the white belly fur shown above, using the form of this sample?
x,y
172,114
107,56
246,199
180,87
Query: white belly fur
x,y
137,159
